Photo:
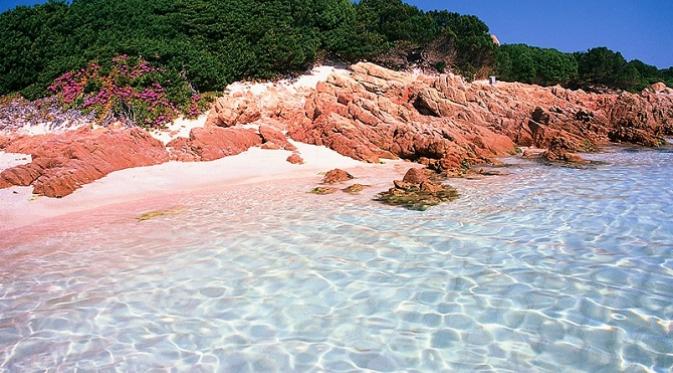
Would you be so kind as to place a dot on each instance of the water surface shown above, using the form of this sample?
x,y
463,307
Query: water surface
x,y
545,270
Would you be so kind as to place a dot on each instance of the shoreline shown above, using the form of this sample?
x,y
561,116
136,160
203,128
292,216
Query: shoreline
x,y
140,186
139,190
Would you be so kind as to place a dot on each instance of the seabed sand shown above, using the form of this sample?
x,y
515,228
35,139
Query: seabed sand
x,y
20,208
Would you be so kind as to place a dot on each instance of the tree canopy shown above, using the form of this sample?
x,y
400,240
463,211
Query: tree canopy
x,y
597,67
214,42
210,43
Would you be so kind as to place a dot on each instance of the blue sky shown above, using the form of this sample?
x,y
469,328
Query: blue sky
x,y
640,29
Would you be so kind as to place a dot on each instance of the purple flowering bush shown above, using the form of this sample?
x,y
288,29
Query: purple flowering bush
x,y
131,90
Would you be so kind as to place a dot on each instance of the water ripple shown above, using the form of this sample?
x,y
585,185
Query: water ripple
x,y
548,269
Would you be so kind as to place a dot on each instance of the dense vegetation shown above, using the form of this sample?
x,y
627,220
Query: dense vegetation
x,y
214,42
202,45
598,67
128,88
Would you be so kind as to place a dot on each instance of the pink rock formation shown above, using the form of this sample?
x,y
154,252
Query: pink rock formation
x,y
448,124
234,109
62,163
274,138
558,152
437,120
211,143
415,176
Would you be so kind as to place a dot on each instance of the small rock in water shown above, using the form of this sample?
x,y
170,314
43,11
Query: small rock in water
x,y
417,192
355,188
323,190
336,176
490,172
158,213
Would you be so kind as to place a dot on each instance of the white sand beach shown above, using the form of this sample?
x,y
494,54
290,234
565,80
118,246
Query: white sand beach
x,y
19,207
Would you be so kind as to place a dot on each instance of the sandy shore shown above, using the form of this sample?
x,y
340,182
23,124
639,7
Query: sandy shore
x,y
20,208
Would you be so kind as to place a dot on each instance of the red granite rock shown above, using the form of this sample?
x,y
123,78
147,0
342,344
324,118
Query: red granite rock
x,y
448,124
295,159
336,176
64,162
274,138
211,143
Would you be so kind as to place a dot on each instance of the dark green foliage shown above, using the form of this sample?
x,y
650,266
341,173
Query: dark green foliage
x,y
463,42
395,20
526,64
473,47
214,42
210,43
603,67
598,67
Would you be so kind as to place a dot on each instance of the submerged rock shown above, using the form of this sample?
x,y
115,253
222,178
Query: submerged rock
x,y
417,192
336,176
158,213
323,190
355,188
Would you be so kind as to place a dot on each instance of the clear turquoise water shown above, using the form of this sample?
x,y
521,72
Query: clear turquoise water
x,y
545,270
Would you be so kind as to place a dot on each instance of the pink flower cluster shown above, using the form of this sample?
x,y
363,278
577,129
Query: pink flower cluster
x,y
68,86
195,106
115,95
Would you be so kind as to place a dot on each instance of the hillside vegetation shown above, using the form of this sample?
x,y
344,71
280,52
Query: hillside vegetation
x,y
193,46
215,42
598,67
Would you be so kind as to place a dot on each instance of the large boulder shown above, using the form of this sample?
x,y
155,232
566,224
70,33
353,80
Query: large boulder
x,y
560,151
643,119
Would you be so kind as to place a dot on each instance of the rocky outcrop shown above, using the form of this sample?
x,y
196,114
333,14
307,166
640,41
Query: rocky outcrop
x,y
64,162
417,191
643,119
274,139
369,114
449,124
211,143
234,109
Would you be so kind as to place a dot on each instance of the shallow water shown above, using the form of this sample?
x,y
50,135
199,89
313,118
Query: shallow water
x,y
547,269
